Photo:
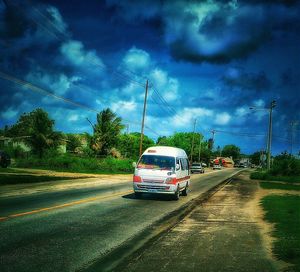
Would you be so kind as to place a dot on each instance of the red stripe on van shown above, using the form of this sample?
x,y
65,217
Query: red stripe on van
x,y
182,179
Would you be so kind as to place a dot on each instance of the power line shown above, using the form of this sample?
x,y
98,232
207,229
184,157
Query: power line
x,y
40,90
89,59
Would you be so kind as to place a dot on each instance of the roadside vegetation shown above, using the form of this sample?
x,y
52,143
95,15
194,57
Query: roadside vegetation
x,y
285,168
34,143
284,213
8,179
279,186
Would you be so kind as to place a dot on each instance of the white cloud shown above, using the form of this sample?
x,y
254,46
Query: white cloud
x,y
167,86
136,59
187,115
222,118
57,83
73,117
75,52
57,21
259,103
242,111
9,113
123,106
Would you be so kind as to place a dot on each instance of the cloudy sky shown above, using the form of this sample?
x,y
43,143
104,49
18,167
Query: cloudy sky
x,y
210,60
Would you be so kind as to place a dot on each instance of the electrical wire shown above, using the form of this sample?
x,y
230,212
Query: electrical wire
x,y
42,91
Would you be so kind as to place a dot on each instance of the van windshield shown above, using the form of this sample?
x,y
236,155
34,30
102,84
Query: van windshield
x,y
156,162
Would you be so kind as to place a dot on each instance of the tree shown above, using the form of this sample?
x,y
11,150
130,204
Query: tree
x,y
231,151
106,132
37,128
184,140
73,142
255,158
128,144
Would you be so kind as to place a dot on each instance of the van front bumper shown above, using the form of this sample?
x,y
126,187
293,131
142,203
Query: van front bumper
x,y
154,189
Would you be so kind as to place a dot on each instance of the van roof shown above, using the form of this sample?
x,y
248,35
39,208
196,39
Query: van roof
x,y
166,151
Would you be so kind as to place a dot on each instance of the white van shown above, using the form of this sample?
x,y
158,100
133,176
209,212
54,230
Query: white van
x,y
162,170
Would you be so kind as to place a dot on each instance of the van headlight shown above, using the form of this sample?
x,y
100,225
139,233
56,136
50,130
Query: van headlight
x,y
171,180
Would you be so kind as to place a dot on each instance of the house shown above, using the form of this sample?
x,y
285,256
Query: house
x,y
20,142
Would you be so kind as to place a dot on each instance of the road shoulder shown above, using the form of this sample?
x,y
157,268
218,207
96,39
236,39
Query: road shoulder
x,y
223,234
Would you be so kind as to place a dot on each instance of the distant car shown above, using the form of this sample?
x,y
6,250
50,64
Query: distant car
x,y
204,164
4,159
217,167
197,167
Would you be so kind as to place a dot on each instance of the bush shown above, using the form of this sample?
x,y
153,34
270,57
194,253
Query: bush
x,y
285,165
73,163
15,151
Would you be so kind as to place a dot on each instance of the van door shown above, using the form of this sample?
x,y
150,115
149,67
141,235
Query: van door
x,y
183,172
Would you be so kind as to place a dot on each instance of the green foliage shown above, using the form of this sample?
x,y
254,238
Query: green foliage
x,y
71,163
279,186
231,151
25,178
129,144
184,140
15,151
255,158
73,142
106,132
263,175
284,213
37,127
285,165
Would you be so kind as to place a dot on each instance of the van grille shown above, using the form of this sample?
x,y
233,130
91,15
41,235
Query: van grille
x,y
153,181
153,187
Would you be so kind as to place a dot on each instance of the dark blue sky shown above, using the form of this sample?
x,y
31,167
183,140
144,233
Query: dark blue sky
x,y
208,60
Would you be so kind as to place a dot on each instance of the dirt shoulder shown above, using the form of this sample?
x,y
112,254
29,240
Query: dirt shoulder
x,y
226,233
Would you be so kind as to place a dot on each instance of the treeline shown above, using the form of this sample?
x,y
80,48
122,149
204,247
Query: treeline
x,y
108,139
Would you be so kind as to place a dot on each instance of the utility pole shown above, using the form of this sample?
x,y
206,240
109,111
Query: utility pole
x,y
192,149
199,157
292,124
143,120
272,105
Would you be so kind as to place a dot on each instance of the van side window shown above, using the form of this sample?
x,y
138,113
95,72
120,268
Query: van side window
x,y
178,162
187,164
183,164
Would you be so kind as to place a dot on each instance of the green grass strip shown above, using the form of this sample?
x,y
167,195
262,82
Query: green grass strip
x,y
271,185
6,179
267,176
284,212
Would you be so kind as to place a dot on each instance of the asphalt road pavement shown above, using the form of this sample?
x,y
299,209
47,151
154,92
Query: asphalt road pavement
x,y
70,228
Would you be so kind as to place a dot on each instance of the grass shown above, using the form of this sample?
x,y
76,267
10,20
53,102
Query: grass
x,y
270,185
10,170
284,213
6,179
69,163
266,176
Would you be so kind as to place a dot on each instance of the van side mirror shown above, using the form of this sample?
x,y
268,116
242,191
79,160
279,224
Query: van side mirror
x,y
177,167
134,164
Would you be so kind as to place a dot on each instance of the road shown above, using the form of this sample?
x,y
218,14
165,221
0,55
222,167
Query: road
x,y
70,227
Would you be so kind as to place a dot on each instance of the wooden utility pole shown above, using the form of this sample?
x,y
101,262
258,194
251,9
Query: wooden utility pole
x,y
272,105
292,124
143,120
199,157
192,149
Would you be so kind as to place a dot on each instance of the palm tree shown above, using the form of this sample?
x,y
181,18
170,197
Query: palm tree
x,y
106,131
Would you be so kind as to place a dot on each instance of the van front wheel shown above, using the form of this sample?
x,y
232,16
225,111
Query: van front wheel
x,y
185,191
177,193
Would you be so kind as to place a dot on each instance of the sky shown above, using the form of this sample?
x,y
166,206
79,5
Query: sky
x,y
205,60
